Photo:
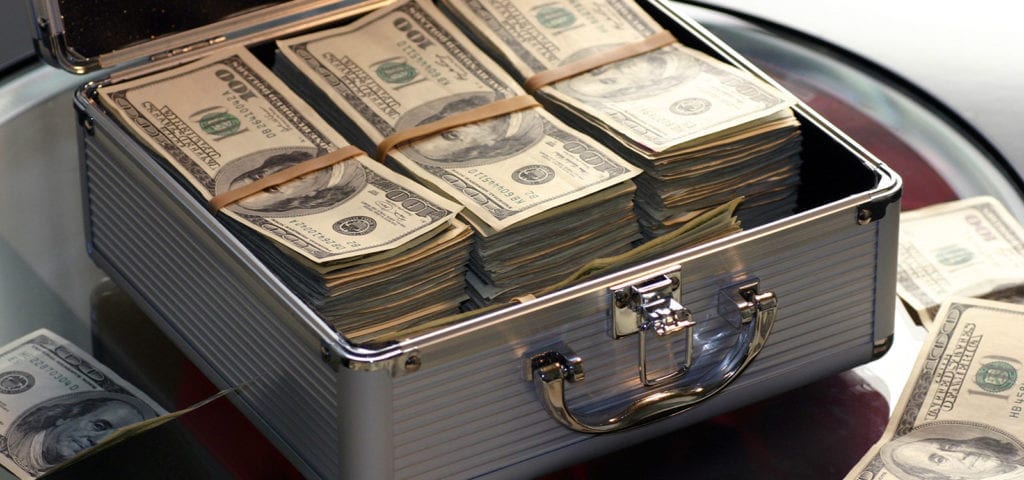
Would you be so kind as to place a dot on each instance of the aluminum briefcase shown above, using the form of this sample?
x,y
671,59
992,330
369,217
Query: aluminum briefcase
x,y
508,394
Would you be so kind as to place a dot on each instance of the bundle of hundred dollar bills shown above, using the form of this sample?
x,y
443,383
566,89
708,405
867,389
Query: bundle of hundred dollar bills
x,y
968,248
543,198
703,131
961,413
374,246
367,248
60,404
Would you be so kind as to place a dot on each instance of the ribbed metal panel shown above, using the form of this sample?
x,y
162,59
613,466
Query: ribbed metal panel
x,y
184,281
480,416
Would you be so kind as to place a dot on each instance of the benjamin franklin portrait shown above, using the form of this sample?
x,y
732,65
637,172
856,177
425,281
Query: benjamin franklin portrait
x,y
642,76
309,194
955,451
475,144
52,432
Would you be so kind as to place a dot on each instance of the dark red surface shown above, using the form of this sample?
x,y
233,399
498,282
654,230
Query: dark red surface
x,y
228,435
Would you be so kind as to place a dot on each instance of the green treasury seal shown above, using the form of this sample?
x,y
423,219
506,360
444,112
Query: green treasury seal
x,y
996,376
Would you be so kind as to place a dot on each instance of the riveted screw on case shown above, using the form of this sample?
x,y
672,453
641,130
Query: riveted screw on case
x,y
88,125
622,299
413,363
864,216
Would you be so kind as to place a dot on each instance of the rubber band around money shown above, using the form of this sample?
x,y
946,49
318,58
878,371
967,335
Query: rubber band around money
x,y
658,40
295,171
523,298
483,112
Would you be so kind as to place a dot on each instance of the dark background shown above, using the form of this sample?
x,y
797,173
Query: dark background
x,y
15,33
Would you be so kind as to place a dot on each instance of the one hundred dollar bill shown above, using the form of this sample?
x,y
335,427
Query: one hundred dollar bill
x,y
961,414
56,402
408,65
226,121
659,100
972,247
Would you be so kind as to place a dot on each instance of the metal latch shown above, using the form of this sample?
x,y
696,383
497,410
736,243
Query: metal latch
x,y
558,363
744,302
653,306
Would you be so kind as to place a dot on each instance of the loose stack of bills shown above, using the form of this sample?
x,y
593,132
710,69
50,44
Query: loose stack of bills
x,y
961,414
703,131
367,248
543,198
58,402
972,247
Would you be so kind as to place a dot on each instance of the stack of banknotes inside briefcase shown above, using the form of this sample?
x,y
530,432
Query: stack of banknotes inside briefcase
x,y
420,160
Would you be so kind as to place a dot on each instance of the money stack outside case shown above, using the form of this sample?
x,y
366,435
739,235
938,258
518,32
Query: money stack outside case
x,y
967,248
455,402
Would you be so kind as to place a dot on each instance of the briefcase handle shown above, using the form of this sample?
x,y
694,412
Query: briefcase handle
x,y
550,371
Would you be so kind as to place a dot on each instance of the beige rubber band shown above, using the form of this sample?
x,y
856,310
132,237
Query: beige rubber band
x,y
483,112
295,171
523,298
540,79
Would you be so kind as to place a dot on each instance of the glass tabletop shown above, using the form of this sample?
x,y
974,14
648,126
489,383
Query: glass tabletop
x,y
48,281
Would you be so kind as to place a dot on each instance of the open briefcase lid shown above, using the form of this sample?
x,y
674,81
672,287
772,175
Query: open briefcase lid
x,y
83,36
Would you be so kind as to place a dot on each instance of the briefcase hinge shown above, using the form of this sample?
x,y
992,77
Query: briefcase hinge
x,y
188,48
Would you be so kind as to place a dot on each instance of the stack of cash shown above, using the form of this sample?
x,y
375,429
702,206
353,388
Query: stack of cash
x,y
972,247
60,404
543,198
959,416
703,131
366,247
710,225
713,223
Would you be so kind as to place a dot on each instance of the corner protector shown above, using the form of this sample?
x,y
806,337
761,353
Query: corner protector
x,y
876,208
881,347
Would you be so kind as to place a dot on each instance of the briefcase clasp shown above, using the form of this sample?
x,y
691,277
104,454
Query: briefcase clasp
x,y
653,306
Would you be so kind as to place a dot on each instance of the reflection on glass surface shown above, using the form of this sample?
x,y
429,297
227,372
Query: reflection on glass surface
x,y
40,192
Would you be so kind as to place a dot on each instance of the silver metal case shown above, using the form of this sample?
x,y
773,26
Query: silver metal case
x,y
531,387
